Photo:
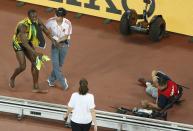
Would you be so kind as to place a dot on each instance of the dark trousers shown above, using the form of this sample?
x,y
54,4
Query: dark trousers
x,y
80,127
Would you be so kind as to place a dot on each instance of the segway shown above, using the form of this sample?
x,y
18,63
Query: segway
x,y
155,28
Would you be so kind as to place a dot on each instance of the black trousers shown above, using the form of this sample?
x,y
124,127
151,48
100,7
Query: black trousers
x,y
80,127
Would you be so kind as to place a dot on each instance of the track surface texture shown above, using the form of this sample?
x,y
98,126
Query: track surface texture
x,y
111,62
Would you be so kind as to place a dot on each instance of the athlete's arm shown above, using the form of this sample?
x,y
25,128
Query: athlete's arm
x,y
45,30
23,36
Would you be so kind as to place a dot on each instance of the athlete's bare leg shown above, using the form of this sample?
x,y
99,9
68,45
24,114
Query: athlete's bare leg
x,y
35,73
22,65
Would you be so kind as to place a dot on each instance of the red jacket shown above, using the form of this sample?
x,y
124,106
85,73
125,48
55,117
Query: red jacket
x,y
171,90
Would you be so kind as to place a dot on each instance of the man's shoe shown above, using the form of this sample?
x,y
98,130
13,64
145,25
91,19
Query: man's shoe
x,y
66,84
50,83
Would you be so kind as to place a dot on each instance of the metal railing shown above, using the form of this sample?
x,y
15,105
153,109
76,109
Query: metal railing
x,y
23,107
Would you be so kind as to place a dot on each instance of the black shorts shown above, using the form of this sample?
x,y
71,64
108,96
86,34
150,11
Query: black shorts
x,y
80,127
20,47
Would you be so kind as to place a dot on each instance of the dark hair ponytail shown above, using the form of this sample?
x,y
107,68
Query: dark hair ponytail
x,y
83,89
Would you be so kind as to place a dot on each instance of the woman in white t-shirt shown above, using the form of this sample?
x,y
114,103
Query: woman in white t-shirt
x,y
82,106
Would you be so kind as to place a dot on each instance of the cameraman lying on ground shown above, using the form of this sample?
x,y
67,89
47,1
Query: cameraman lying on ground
x,y
163,89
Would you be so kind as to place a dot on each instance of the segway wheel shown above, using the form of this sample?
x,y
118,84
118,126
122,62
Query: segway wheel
x,y
124,25
157,29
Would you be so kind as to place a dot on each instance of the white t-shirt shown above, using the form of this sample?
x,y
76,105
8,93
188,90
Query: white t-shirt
x,y
59,30
81,105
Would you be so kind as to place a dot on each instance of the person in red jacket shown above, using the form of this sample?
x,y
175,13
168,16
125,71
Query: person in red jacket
x,y
167,89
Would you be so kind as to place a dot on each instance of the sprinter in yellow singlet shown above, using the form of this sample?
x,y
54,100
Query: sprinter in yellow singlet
x,y
28,35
